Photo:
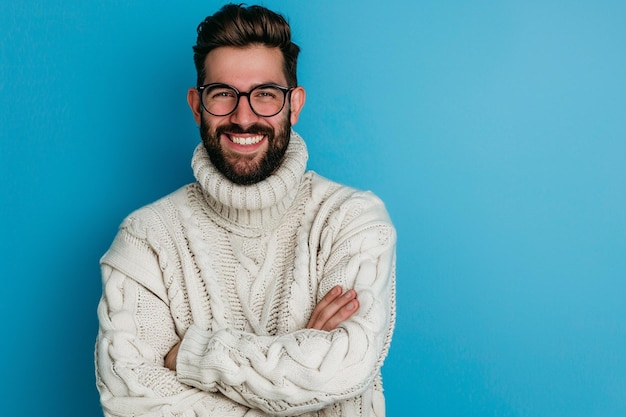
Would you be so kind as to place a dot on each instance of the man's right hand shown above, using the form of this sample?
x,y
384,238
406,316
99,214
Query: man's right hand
x,y
333,309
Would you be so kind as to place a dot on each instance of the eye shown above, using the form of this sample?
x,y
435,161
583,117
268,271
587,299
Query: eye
x,y
220,93
223,94
267,93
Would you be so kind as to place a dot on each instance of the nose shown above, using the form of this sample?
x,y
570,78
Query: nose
x,y
243,114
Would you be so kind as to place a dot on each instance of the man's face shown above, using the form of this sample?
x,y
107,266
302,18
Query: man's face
x,y
245,147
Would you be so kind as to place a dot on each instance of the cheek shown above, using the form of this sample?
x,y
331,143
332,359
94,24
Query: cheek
x,y
209,124
286,120
206,129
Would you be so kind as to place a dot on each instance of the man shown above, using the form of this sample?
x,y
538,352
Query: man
x,y
262,288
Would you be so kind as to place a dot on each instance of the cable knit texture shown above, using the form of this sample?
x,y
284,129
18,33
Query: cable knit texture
x,y
235,272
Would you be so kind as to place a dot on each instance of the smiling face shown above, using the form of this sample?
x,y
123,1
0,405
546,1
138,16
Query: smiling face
x,y
245,147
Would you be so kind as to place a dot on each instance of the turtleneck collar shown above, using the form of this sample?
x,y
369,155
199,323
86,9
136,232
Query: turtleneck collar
x,y
254,206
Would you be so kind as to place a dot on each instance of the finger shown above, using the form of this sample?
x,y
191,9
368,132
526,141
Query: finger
x,y
330,296
324,302
327,307
170,358
341,315
329,314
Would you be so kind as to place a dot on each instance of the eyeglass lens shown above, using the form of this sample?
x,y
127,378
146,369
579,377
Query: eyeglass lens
x,y
221,100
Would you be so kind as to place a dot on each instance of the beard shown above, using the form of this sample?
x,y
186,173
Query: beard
x,y
246,170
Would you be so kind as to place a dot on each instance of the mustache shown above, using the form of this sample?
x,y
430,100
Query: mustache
x,y
238,129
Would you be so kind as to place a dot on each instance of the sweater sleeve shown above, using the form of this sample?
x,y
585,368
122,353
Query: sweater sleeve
x,y
136,332
309,370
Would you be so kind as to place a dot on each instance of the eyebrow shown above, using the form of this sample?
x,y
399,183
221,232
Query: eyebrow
x,y
252,86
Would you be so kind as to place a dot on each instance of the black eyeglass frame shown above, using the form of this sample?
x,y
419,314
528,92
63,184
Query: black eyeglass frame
x,y
286,92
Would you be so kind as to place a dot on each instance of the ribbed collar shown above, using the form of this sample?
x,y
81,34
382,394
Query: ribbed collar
x,y
255,207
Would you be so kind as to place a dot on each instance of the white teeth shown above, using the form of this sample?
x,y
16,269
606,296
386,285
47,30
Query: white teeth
x,y
250,140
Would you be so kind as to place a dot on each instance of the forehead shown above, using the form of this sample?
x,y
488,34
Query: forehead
x,y
244,67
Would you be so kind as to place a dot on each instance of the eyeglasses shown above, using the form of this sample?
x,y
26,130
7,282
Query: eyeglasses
x,y
265,100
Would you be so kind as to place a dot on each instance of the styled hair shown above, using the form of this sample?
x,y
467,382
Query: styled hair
x,y
239,26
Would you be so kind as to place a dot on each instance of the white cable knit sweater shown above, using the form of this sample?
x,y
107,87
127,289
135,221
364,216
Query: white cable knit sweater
x,y
236,271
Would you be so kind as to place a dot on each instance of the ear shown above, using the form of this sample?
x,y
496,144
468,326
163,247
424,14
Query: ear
x,y
298,97
193,99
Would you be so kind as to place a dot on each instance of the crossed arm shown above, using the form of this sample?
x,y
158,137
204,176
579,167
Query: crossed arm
x,y
335,307
133,379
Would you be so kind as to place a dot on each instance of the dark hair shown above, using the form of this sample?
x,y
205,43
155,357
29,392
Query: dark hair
x,y
239,26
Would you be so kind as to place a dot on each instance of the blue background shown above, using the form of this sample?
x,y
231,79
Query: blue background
x,y
494,130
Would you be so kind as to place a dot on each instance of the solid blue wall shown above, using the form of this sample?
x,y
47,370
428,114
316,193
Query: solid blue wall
x,y
494,130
